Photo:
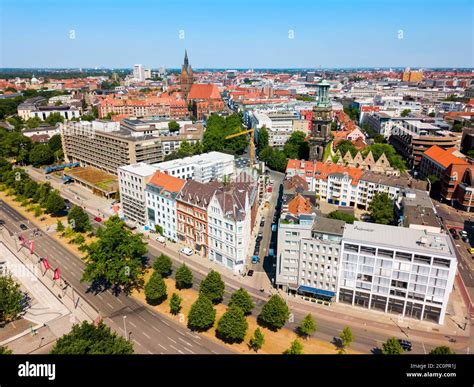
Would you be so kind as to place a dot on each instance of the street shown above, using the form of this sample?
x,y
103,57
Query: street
x,y
151,333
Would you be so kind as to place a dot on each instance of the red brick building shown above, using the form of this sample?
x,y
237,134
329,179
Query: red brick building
x,y
205,99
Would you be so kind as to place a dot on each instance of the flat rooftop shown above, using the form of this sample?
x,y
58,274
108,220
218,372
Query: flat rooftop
x,y
140,169
197,159
399,238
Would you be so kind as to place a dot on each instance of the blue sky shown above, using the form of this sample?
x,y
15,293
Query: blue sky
x,y
237,34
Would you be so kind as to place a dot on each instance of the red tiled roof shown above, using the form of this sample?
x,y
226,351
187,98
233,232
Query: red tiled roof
x,y
167,182
443,157
299,205
204,91
320,170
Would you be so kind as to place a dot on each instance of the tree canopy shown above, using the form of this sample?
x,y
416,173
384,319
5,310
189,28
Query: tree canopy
x,y
155,289
341,215
88,339
296,348
163,265
442,350
381,208
183,277
212,287
242,299
10,298
78,219
232,326
217,128
115,258
392,347
202,315
274,313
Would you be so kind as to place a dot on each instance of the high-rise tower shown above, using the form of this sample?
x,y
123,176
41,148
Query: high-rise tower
x,y
321,123
186,80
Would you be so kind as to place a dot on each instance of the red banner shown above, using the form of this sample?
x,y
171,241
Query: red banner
x,y
45,263
32,246
56,274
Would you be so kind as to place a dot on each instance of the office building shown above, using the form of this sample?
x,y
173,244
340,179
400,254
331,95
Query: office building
x,y
105,145
396,270
133,180
202,168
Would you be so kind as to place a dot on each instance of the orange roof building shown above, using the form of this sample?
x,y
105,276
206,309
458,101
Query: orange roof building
x,y
206,99
435,160
299,205
161,193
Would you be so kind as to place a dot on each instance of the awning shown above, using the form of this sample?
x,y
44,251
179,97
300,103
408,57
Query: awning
x,y
315,291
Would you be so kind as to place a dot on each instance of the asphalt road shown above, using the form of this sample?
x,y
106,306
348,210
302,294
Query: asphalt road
x,y
151,333
365,340
461,221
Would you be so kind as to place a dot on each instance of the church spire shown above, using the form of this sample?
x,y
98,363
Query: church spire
x,y
186,61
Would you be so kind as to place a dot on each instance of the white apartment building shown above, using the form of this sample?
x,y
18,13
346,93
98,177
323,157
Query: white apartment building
x,y
229,226
132,183
308,255
202,168
138,72
397,270
161,192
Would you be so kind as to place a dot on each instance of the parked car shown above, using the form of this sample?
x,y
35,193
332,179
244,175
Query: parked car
x,y
455,236
406,345
452,231
161,239
465,239
250,273
259,238
471,251
462,233
262,223
255,259
23,227
98,219
186,251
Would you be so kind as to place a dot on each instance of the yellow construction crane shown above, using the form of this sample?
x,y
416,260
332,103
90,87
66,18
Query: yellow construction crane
x,y
251,143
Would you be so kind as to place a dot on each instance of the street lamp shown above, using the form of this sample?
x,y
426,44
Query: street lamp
x,y
125,327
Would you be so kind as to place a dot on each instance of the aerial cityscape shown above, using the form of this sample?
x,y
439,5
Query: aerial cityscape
x,y
190,190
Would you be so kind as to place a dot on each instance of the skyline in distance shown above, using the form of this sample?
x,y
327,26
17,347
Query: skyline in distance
x,y
278,34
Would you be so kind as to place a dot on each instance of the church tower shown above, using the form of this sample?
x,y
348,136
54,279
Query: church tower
x,y
321,123
186,79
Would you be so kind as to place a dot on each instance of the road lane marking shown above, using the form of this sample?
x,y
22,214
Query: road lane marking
x,y
187,349
164,322
132,324
181,333
176,349
162,346
111,307
172,340
185,342
141,318
148,337
136,342
156,329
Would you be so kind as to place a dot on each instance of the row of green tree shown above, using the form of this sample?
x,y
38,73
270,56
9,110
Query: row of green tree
x,y
28,191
